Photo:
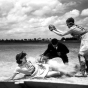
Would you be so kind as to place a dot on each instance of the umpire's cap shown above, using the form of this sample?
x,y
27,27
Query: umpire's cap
x,y
54,41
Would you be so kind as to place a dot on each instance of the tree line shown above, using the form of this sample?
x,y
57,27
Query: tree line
x,y
38,40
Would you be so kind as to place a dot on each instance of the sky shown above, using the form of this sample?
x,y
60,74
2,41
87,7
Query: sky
x,y
20,19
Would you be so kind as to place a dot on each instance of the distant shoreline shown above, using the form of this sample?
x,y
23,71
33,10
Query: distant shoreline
x,y
6,43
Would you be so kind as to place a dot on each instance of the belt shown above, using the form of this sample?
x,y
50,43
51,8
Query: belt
x,y
33,71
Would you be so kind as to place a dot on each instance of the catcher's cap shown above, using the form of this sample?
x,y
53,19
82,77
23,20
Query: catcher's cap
x,y
70,20
20,55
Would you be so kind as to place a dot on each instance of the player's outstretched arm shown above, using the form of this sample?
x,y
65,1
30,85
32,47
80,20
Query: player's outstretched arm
x,y
57,31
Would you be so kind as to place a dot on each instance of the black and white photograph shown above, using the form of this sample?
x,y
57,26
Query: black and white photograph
x,y
43,43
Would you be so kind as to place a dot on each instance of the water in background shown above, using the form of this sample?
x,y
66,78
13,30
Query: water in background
x,y
8,53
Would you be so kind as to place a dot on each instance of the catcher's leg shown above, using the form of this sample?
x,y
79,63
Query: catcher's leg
x,y
87,66
86,61
82,64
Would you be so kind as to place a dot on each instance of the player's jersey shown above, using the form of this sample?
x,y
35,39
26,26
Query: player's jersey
x,y
77,30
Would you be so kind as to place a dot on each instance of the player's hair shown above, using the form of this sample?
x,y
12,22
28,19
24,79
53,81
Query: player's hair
x,y
70,20
20,56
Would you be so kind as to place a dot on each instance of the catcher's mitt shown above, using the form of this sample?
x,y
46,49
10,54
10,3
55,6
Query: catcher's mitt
x,y
52,27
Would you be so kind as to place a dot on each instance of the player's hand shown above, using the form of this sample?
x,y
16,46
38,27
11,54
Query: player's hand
x,y
40,60
52,27
43,59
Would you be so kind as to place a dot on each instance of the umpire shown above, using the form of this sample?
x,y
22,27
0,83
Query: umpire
x,y
56,49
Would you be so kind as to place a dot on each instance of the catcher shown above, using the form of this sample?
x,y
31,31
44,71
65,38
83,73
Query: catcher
x,y
75,31
38,70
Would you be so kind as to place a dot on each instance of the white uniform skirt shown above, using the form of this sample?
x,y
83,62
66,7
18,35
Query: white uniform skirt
x,y
84,45
40,71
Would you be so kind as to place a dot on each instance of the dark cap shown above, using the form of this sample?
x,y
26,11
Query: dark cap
x,y
20,55
70,20
54,41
